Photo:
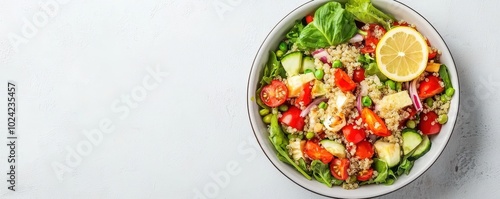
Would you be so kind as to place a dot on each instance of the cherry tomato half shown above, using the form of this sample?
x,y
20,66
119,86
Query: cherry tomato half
x,y
343,81
292,118
309,19
353,134
375,123
274,94
339,167
316,152
430,87
364,149
359,75
305,96
428,123
365,175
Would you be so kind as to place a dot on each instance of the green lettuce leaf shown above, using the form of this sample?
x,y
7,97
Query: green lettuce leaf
x,y
365,12
321,172
332,25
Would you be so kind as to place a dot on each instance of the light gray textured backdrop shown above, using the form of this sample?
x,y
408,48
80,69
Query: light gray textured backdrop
x,y
146,99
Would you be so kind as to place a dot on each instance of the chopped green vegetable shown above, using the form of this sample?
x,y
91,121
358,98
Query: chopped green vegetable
x,y
450,92
308,71
267,119
411,124
365,12
322,105
443,73
279,53
399,86
391,84
429,101
309,135
294,33
303,166
277,137
337,64
321,172
442,119
319,74
283,47
366,101
283,108
444,98
332,25
372,69
264,112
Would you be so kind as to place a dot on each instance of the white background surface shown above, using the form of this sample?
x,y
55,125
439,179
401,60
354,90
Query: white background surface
x,y
194,123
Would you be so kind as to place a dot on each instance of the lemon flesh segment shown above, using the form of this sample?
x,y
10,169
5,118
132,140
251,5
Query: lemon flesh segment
x,y
402,54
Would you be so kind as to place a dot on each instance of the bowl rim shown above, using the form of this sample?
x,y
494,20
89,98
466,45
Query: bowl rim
x,y
249,97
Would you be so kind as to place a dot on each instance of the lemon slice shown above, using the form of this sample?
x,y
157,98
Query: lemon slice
x,y
402,54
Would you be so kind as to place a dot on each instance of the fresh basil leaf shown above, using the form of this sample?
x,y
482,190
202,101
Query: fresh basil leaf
x,y
443,73
332,25
303,166
321,172
382,169
294,33
391,178
337,182
278,139
365,12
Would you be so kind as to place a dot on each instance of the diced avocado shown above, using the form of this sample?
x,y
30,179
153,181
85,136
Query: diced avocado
x,y
308,63
388,152
318,89
292,63
335,148
422,148
296,83
411,139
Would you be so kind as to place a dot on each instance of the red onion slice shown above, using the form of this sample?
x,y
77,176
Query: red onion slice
x,y
313,103
414,95
359,106
321,54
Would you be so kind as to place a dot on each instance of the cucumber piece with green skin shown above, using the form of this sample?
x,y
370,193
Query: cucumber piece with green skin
x,y
292,63
411,139
334,148
308,63
388,152
423,148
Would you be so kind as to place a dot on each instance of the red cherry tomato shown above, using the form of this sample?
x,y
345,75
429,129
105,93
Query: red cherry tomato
x,y
375,123
274,94
359,75
339,167
374,33
309,19
432,55
430,87
353,134
364,149
365,175
343,81
292,118
428,123
315,152
305,96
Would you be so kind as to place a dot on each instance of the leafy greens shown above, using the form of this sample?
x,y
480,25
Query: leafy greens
x,y
332,25
321,172
365,12
277,137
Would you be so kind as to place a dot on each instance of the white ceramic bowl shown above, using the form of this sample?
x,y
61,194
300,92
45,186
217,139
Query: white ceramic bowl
x,y
398,10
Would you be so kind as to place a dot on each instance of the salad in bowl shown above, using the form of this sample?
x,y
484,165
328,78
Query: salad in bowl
x,y
353,96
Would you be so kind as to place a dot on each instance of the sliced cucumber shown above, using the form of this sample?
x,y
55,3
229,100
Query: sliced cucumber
x,y
334,148
388,152
423,148
308,63
292,63
411,139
